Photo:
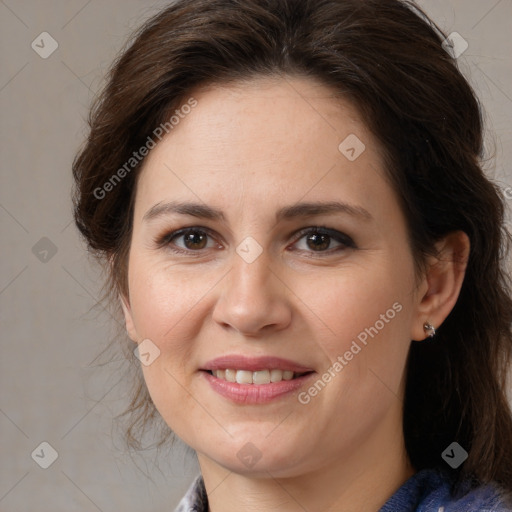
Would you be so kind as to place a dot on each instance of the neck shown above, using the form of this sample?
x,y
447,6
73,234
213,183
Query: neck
x,y
359,480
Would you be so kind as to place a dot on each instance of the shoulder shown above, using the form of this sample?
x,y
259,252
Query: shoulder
x,y
488,498
430,490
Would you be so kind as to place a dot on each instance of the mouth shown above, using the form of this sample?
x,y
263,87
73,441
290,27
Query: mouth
x,y
256,378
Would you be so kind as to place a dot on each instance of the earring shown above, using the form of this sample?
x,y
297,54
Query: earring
x,y
429,329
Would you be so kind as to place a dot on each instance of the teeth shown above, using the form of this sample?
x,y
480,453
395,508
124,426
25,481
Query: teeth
x,y
244,377
276,375
259,377
287,375
230,375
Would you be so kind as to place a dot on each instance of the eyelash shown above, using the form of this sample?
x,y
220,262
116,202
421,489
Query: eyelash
x,y
345,241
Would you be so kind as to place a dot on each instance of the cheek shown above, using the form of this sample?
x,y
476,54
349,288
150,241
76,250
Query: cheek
x,y
166,304
358,303
164,299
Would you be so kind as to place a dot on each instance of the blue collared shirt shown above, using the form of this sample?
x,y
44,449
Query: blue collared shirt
x,y
426,491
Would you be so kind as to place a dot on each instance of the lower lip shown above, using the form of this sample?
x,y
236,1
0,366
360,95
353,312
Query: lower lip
x,y
255,393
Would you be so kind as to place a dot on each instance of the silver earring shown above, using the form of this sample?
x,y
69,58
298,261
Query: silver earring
x,y
429,329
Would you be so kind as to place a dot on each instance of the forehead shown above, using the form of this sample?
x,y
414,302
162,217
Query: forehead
x,y
263,139
270,113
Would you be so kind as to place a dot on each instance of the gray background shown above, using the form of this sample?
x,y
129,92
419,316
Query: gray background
x,y
50,327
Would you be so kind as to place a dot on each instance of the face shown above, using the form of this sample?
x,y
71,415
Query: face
x,y
262,279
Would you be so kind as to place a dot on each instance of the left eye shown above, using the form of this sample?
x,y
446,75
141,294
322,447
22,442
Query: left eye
x,y
319,239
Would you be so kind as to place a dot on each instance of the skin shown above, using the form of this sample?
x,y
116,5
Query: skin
x,y
250,149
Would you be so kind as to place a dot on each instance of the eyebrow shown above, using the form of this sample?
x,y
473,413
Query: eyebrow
x,y
309,209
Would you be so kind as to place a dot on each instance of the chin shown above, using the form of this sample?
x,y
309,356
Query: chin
x,y
260,457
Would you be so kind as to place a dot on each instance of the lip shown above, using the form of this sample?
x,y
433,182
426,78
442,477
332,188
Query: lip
x,y
254,364
255,393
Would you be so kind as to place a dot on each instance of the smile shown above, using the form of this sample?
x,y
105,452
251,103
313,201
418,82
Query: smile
x,y
255,380
258,377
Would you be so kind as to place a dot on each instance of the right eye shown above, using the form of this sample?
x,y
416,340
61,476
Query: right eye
x,y
193,240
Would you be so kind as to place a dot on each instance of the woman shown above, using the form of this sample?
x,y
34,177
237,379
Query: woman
x,y
288,197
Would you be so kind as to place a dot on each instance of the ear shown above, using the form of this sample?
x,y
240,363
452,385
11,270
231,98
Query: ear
x,y
442,282
128,318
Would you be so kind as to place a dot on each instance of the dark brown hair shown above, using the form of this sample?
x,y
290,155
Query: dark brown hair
x,y
387,58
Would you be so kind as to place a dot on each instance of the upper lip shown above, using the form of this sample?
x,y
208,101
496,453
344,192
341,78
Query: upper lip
x,y
239,362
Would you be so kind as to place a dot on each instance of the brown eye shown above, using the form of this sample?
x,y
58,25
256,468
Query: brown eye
x,y
318,241
187,240
323,240
195,239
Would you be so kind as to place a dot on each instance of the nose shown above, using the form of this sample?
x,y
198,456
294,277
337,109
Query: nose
x,y
254,300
